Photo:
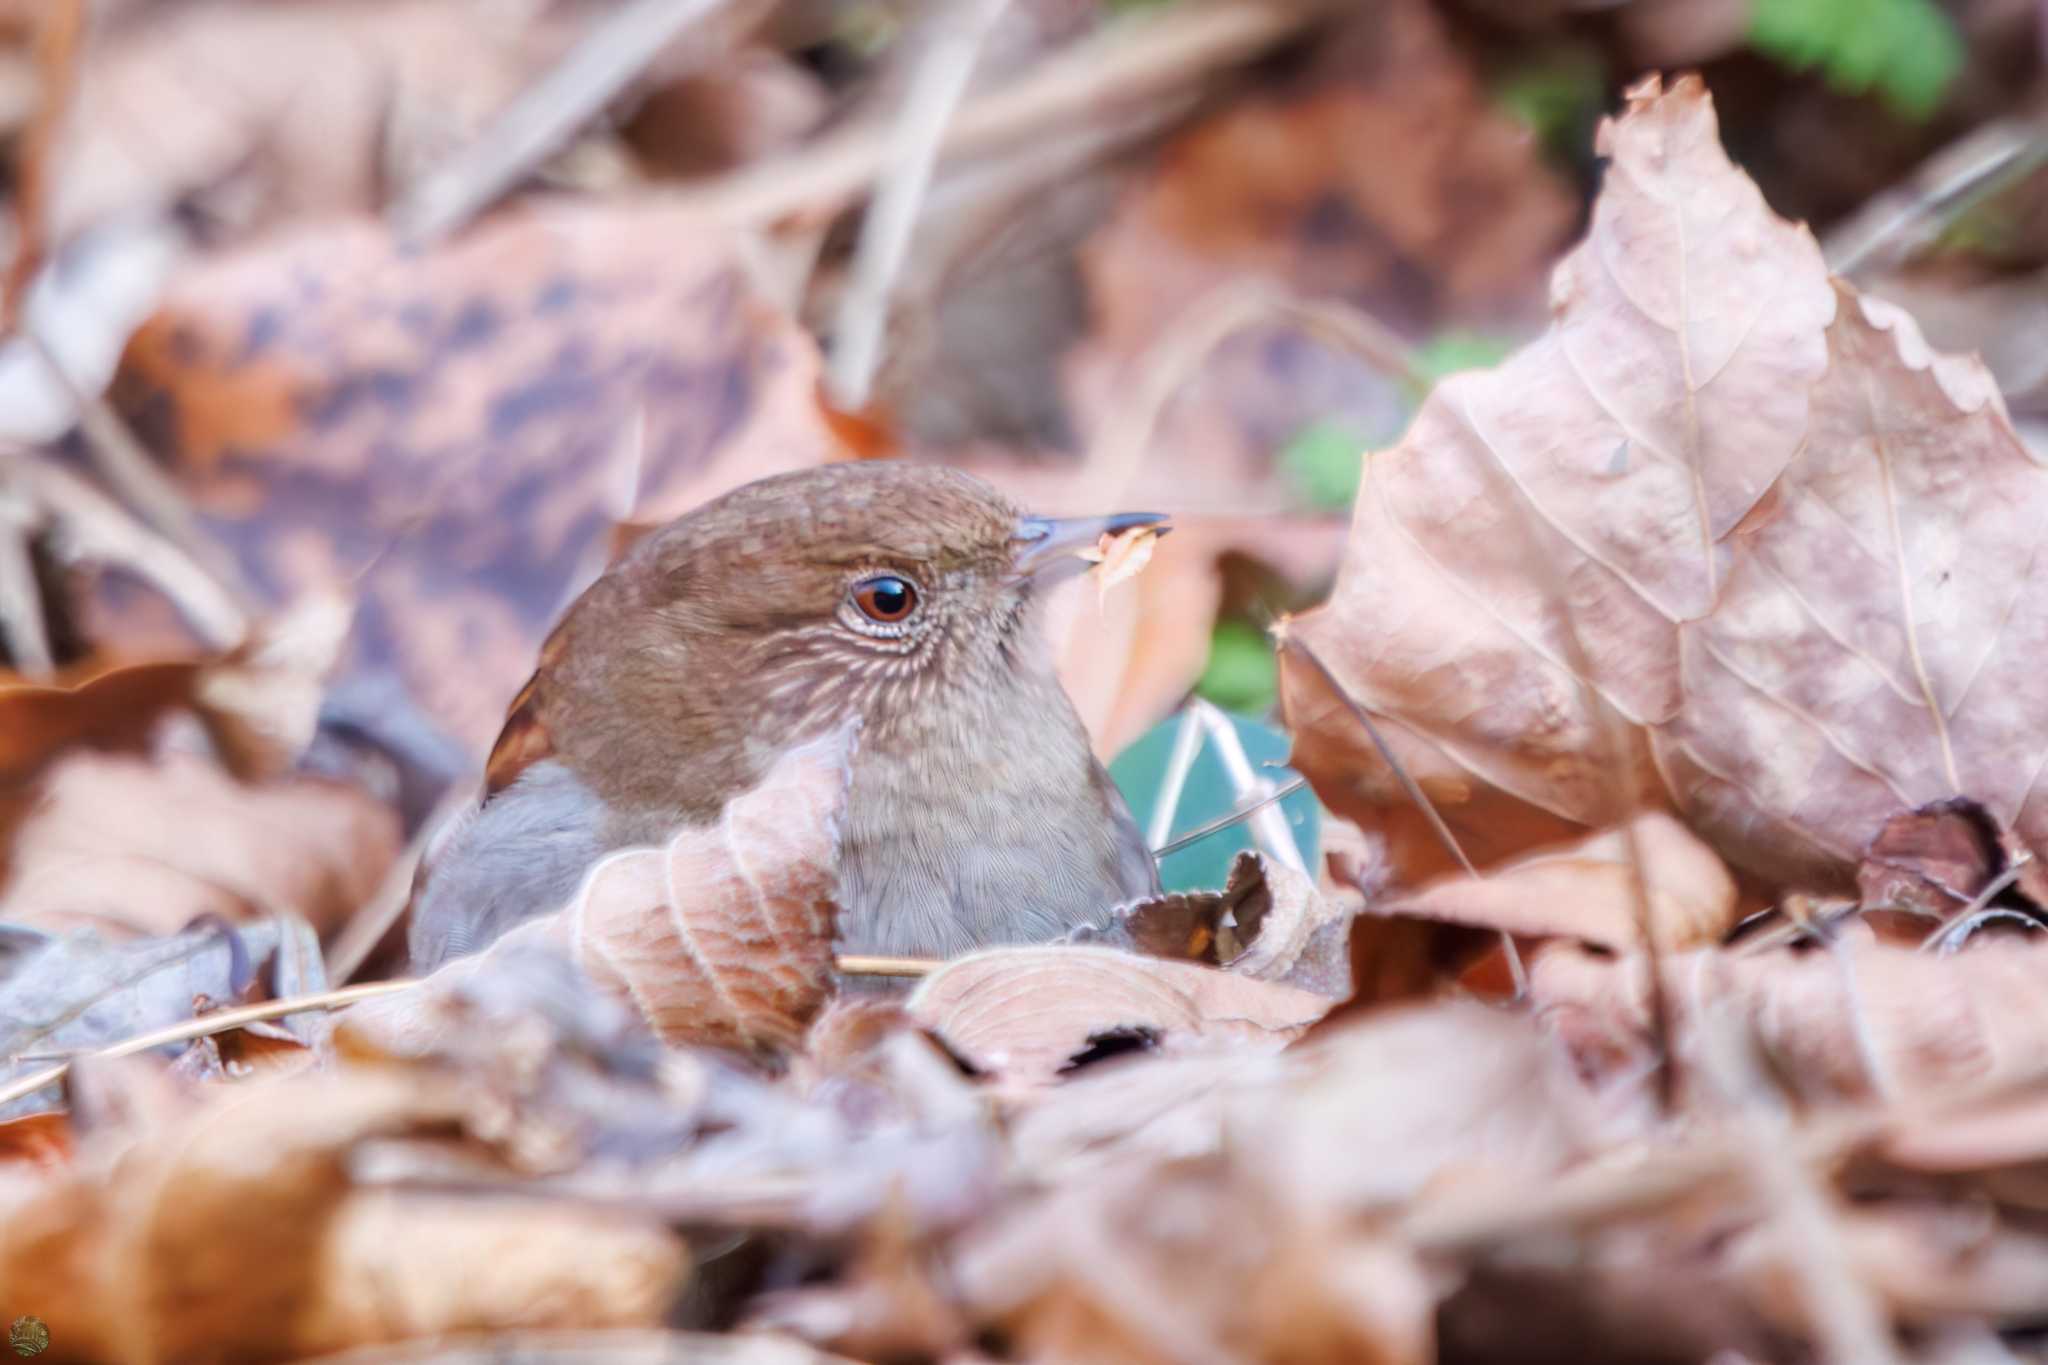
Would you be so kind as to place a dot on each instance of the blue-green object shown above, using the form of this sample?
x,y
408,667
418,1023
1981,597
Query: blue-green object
x,y
1906,52
1140,773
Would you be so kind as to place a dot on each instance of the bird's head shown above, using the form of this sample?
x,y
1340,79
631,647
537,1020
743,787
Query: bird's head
x,y
862,587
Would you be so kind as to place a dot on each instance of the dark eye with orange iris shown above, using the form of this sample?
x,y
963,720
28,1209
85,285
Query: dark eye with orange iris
x,y
884,598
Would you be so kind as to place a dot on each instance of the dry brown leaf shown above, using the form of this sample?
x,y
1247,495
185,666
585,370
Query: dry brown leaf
x,y
1588,890
1452,1098
1859,1020
1750,489
723,937
230,1229
455,431
1024,1015
259,702
152,845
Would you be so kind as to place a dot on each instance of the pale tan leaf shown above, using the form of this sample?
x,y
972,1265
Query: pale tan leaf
x,y
1025,1014
1796,546
1588,890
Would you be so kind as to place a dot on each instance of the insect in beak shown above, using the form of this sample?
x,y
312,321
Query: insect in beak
x,y
1048,549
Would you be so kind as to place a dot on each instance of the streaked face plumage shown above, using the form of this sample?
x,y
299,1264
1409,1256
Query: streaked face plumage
x,y
887,581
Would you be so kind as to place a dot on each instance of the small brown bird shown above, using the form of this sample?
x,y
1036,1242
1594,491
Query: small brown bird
x,y
898,593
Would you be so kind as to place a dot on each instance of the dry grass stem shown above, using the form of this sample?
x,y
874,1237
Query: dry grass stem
x,y
206,1026
937,83
1128,62
545,117
1890,228
21,603
857,964
92,527
1412,789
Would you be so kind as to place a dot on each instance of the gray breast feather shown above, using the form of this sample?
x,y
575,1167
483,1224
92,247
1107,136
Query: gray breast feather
x,y
523,854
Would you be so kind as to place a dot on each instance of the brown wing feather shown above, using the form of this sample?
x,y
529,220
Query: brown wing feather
x,y
524,740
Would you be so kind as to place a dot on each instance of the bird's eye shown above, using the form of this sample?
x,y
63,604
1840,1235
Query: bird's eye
x,y
885,598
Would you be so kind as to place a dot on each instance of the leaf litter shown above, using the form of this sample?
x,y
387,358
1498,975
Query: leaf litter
x,y
1726,506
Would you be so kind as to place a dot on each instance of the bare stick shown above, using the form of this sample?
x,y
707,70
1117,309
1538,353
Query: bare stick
x,y
92,527
544,117
1127,62
206,1026
128,468
855,964
936,84
21,605
1900,221
1223,822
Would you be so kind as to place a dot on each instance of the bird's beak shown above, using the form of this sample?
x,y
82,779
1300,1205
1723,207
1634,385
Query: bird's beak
x,y
1048,548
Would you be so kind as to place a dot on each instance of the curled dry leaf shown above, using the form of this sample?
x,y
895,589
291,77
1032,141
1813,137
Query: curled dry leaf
x,y
1269,921
152,845
1588,890
1025,1015
1747,490
722,937
1862,1019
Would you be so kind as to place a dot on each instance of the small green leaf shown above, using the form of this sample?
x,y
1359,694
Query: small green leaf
x,y
1906,52
1242,673
1140,773
1456,349
1326,460
1557,96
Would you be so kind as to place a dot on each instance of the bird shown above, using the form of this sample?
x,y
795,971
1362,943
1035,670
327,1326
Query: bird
x,y
896,597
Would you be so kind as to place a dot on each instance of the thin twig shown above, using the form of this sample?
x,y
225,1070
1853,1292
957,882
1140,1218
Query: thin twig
x,y
859,964
1223,822
90,526
543,117
1894,225
1130,61
21,603
1287,640
130,471
937,82
206,1026
1936,941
